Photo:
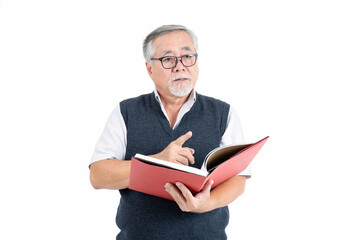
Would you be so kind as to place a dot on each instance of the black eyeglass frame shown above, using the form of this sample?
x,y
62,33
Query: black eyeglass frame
x,y
176,58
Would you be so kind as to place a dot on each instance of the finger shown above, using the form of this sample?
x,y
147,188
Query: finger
x,y
185,192
182,139
186,152
182,160
192,151
206,190
175,193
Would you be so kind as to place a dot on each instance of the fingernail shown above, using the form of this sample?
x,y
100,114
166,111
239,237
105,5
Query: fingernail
x,y
178,184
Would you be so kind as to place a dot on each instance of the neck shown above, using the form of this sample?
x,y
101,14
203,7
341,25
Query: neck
x,y
172,105
174,101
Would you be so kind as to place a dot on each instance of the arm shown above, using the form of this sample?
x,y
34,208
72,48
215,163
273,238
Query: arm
x,y
227,192
207,200
110,174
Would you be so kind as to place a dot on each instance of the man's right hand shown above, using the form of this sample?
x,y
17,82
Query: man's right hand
x,y
176,153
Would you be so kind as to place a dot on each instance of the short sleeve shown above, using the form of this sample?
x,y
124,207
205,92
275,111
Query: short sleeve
x,y
112,142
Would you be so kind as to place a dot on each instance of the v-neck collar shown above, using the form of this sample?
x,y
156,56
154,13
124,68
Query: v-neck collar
x,y
183,110
183,120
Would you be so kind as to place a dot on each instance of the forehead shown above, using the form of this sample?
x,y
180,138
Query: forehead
x,y
173,42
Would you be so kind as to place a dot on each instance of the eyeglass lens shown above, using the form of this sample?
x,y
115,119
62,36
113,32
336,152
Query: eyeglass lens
x,y
170,62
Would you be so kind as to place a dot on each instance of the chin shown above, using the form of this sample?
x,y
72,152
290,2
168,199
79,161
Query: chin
x,y
181,91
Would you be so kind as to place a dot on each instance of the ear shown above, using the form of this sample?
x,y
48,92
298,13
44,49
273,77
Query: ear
x,y
149,68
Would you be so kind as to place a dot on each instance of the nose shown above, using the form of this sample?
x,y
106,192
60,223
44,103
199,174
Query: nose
x,y
179,66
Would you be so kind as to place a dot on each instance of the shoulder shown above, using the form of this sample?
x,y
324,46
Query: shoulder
x,y
137,102
136,105
212,102
139,99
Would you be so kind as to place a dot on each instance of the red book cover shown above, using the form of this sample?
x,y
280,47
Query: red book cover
x,y
149,175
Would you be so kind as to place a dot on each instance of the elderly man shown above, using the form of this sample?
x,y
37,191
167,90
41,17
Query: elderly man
x,y
173,123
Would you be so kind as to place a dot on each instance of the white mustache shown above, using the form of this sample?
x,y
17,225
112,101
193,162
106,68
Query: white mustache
x,y
179,76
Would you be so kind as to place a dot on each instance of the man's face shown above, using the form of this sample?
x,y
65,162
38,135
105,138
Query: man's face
x,y
180,80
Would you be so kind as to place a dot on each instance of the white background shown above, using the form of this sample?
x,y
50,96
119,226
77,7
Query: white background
x,y
290,68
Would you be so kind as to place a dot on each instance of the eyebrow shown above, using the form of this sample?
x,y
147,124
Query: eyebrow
x,y
170,51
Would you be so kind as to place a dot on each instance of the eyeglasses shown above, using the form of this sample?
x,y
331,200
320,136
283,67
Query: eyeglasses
x,y
169,62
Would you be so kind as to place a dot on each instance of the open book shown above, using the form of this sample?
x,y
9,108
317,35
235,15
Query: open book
x,y
149,175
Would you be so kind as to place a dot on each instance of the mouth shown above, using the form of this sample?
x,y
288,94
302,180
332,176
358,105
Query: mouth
x,y
181,79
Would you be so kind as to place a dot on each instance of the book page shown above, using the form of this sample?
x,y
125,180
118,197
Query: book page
x,y
221,154
171,165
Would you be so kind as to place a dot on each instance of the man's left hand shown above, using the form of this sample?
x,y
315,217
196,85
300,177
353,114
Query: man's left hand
x,y
187,202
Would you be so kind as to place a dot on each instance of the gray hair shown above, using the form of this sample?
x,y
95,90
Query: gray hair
x,y
148,48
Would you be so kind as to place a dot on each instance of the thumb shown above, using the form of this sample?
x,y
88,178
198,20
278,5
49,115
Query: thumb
x,y
208,185
182,139
205,191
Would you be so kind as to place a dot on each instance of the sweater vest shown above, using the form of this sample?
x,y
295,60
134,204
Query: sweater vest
x,y
142,216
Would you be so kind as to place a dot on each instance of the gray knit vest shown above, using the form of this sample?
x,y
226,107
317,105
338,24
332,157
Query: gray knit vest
x,y
141,216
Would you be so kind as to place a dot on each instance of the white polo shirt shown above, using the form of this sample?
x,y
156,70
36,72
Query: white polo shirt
x,y
112,142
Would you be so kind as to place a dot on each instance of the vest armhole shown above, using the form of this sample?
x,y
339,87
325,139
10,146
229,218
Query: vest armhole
x,y
224,118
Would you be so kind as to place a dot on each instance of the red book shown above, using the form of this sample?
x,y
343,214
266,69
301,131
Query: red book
x,y
149,175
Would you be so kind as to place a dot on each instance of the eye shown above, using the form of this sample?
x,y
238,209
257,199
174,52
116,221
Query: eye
x,y
168,59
